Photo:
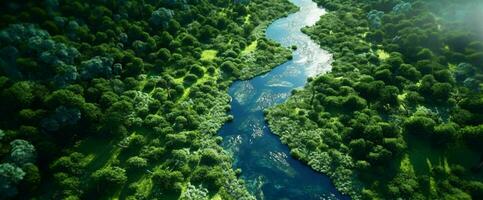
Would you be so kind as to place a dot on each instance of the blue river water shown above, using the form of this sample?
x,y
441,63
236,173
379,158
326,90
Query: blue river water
x,y
267,167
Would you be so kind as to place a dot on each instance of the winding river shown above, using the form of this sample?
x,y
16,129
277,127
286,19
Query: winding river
x,y
267,167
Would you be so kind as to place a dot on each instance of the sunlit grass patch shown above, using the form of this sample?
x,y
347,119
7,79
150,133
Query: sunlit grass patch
x,y
88,158
382,55
208,55
250,48
179,80
406,165
216,197
247,19
419,83
402,96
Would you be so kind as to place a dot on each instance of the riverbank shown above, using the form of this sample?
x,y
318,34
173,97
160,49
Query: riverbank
x,y
386,122
267,168
289,120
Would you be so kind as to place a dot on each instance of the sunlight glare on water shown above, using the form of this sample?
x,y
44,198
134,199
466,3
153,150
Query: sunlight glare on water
x,y
267,167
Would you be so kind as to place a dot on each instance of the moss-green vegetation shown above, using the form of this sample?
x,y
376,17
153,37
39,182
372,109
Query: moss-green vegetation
x,y
208,55
382,55
257,52
250,48
399,116
123,99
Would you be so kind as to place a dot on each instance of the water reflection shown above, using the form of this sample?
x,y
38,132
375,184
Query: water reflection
x,y
267,167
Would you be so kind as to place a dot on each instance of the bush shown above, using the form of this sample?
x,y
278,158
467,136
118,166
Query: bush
x,y
230,68
110,176
10,175
22,152
162,16
190,79
419,125
136,162
168,181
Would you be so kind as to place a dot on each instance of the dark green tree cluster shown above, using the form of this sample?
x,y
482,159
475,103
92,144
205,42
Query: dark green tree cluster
x,y
122,99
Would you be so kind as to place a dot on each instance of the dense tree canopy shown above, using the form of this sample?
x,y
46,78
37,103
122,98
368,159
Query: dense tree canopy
x,y
403,94
122,99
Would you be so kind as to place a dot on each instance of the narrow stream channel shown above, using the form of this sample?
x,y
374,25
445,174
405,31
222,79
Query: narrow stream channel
x,y
267,167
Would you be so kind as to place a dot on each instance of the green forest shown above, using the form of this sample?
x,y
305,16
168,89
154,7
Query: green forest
x,y
123,99
401,113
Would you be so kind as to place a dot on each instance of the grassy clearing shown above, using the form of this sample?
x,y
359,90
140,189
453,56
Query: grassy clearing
x,y
92,148
209,55
382,55
216,197
250,48
424,157
402,97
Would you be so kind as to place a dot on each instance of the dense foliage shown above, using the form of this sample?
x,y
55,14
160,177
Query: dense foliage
x,y
400,116
122,99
